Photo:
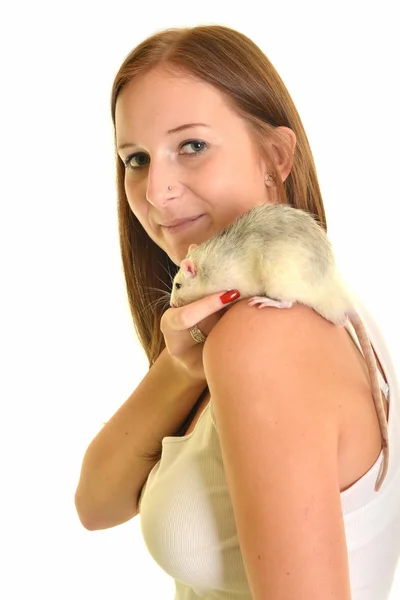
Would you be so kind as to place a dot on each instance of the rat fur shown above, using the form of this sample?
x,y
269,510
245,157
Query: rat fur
x,y
277,254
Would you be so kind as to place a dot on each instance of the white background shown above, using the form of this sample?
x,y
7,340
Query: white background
x,y
69,355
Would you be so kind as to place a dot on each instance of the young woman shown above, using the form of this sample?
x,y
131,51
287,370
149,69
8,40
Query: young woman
x,y
252,456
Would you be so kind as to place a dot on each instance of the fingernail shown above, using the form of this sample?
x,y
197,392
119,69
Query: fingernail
x,y
229,296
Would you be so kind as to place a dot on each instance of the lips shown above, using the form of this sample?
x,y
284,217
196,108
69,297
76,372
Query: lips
x,y
179,221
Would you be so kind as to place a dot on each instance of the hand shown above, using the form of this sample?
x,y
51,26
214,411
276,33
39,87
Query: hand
x,y
176,322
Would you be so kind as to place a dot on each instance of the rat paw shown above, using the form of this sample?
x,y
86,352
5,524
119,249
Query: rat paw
x,y
264,301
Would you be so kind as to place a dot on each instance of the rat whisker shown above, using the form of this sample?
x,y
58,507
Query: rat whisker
x,y
153,304
157,290
168,272
161,280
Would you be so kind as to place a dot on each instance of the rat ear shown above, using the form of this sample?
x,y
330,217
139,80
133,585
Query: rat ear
x,y
192,247
188,268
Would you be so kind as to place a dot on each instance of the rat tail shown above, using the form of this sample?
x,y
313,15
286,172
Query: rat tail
x,y
366,347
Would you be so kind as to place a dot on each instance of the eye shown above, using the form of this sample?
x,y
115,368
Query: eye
x,y
196,146
140,158
178,286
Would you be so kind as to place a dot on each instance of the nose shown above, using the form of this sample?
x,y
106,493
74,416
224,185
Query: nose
x,y
159,177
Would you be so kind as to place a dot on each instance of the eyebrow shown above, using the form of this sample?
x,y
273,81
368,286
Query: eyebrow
x,y
174,130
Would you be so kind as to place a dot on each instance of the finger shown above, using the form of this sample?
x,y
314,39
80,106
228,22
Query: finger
x,y
184,317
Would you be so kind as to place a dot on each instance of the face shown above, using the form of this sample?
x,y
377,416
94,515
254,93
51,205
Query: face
x,y
174,131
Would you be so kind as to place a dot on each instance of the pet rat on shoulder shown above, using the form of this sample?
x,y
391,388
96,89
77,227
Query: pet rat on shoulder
x,y
277,254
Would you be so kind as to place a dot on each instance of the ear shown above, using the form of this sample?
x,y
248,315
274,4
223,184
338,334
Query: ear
x,y
188,268
192,247
282,147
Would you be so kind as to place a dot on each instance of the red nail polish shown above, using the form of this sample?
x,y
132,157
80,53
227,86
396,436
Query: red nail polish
x,y
229,296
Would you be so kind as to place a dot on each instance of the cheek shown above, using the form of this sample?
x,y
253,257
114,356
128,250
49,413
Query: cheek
x,y
140,209
219,191
137,201
133,191
235,179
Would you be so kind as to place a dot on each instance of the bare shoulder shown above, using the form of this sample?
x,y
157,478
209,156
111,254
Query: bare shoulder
x,y
274,376
294,357
269,332
302,356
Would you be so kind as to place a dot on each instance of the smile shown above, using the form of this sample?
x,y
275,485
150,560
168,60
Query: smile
x,y
182,226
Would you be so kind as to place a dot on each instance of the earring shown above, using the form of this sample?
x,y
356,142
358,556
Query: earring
x,y
269,178
170,187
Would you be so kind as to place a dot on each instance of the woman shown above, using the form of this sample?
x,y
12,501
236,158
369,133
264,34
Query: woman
x,y
252,457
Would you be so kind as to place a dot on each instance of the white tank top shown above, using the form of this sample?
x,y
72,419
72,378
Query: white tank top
x,y
187,519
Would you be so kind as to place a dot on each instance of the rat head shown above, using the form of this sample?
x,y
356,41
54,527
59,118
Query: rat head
x,y
186,284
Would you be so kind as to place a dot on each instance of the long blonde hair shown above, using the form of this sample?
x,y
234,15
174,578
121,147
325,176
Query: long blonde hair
x,y
234,65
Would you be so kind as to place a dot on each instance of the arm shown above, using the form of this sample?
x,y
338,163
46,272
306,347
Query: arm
x,y
114,467
274,381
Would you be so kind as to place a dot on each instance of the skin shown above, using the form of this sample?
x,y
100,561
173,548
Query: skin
x,y
214,170
286,503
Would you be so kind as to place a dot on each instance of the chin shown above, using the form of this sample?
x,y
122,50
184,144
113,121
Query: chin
x,y
176,260
177,256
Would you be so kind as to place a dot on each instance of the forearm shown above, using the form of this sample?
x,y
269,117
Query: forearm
x,y
114,467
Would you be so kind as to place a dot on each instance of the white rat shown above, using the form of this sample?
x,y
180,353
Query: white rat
x,y
277,254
